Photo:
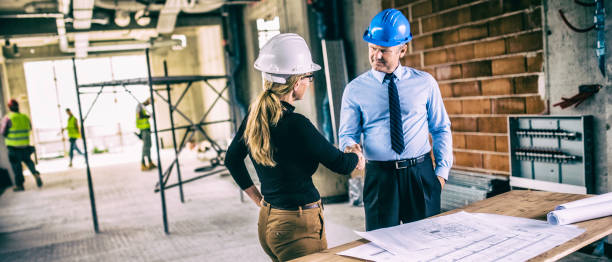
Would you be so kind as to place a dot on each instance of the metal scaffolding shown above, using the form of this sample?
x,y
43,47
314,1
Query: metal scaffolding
x,y
191,128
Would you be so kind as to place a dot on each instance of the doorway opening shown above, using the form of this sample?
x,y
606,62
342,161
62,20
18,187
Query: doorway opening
x,y
110,124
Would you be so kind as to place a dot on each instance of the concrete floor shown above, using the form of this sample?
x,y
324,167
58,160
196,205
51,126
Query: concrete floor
x,y
54,223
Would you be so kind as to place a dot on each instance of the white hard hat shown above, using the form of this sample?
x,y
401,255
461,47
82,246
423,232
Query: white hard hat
x,y
285,55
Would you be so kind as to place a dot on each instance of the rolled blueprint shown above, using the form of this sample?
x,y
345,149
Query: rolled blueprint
x,y
587,201
580,213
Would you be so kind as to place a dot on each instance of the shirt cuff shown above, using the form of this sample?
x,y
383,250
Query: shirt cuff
x,y
443,172
347,143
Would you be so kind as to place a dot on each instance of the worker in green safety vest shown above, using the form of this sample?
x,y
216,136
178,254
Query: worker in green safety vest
x,y
142,123
74,133
16,129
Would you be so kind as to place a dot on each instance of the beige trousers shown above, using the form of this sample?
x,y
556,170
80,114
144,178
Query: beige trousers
x,y
286,235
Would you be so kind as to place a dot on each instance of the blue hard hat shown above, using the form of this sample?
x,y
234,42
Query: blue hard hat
x,y
388,28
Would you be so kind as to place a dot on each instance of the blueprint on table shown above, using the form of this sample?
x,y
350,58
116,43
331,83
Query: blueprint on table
x,y
463,237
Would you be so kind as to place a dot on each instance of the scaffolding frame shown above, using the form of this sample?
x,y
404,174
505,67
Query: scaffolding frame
x,y
191,128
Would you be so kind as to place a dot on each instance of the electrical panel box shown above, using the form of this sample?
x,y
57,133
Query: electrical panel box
x,y
551,153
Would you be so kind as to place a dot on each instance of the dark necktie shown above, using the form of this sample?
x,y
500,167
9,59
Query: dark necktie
x,y
395,116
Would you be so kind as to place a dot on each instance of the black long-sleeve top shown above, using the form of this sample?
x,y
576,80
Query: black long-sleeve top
x,y
298,149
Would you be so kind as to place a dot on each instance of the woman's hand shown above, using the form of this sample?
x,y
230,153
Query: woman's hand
x,y
254,194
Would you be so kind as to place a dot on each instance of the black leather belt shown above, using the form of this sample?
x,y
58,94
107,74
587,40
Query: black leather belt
x,y
401,164
309,206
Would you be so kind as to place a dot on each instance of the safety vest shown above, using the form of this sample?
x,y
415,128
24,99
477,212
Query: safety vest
x,y
19,133
73,131
142,123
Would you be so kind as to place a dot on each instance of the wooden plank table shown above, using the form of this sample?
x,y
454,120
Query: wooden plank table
x,y
518,203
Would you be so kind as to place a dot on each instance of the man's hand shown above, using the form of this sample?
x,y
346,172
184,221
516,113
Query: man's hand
x,y
353,149
361,163
442,182
356,148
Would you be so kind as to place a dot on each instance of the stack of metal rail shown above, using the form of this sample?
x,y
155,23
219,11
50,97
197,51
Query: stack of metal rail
x,y
464,188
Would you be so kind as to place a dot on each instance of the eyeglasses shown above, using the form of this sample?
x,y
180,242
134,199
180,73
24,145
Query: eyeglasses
x,y
309,76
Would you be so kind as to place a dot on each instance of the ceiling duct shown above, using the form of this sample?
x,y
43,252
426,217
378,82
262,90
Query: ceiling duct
x,y
81,44
40,7
108,46
122,18
191,6
49,15
142,17
168,12
135,45
202,6
63,6
167,16
130,6
82,11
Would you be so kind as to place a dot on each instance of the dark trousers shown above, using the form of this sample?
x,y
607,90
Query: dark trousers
x,y
16,156
73,146
392,195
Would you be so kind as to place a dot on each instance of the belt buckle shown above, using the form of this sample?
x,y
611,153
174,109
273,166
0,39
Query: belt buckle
x,y
397,164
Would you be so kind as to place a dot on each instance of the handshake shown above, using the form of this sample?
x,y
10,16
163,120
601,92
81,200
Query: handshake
x,y
356,148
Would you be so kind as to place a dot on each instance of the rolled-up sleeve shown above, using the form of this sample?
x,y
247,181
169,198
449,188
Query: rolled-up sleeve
x,y
440,129
349,132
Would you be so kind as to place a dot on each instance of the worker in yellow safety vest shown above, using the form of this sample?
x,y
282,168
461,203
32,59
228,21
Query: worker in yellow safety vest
x,y
142,123
16,129
74,133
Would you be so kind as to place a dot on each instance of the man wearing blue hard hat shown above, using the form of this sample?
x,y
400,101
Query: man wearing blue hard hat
x,y
396,108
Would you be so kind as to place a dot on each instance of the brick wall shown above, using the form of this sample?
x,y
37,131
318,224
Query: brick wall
x,y
487,58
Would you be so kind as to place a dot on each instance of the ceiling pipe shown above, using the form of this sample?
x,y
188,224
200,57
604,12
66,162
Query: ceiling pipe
x,y
63,6
131,6
60,23
93,47
186,6
133,45
99,21
64,47
61,33
82,11
38,7
168,15
43,15
168,12
202,7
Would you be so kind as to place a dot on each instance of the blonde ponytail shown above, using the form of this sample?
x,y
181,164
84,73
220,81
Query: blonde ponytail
x,y
265,112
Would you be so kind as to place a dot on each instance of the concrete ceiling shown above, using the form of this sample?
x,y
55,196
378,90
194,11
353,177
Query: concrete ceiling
x,y
101,24
104,14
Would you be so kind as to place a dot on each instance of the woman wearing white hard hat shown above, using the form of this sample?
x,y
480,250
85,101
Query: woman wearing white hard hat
x,y
286,150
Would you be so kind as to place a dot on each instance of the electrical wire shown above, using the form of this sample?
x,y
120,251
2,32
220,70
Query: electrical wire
x,y
579,30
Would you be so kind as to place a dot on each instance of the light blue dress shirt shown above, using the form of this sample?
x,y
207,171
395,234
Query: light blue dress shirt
x,y
365,110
